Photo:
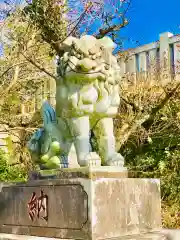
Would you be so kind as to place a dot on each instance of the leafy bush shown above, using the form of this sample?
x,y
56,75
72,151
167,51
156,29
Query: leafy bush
x,y
10,173
163,164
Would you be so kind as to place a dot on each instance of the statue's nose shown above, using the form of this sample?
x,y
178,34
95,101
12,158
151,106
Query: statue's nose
x,y
86,65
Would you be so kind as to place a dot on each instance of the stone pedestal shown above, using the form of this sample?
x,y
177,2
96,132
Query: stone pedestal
x,y
89,203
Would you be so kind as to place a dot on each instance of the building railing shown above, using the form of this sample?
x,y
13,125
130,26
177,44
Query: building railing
x,y
163,55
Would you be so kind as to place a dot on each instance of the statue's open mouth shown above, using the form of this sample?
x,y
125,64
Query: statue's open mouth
x,y
93,72
91,75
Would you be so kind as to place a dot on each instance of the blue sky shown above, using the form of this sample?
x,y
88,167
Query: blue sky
x,y
149,18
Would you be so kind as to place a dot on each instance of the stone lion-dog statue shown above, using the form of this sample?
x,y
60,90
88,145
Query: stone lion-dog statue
x,y
87,99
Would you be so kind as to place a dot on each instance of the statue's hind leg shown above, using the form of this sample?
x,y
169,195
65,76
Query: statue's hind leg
x,y
79,128
106,143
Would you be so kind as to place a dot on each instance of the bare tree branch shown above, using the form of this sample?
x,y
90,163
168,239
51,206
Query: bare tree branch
x,y
149,122
39,67
115,27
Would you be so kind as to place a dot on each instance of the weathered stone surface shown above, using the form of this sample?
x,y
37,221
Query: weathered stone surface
x,y
125,207
81,172
80,208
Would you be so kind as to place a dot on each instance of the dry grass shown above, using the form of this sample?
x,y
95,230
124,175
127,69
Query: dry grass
x,y
140,94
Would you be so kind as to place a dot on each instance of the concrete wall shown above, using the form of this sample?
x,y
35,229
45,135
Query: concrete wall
x,y
3,144
172,234
46,91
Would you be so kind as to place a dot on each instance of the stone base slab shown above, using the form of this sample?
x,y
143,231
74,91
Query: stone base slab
x,y
172,234
94,172
146,236
4,236
81,208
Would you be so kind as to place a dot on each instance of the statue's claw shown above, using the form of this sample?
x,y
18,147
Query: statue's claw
x,y
93,159
116,160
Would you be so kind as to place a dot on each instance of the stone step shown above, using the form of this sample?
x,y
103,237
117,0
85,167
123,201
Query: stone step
x,y
4,236
147,236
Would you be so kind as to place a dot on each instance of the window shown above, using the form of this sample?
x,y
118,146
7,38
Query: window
x,y
158,59
172,63
137,62
148,60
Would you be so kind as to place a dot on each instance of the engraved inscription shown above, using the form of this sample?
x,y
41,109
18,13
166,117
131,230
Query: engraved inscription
x,y
38,206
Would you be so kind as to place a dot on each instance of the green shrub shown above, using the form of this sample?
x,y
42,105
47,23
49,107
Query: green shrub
x,y
8,173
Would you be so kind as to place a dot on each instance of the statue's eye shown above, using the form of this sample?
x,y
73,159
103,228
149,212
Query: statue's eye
x,y
79,67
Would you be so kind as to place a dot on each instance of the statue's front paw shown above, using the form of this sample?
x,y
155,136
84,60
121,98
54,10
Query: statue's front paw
x,y
93,159
116,160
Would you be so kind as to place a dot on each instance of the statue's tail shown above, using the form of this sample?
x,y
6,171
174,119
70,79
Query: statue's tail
x,y
34,143
48,114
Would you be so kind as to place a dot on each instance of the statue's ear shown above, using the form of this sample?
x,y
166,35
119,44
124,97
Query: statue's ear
x,y
68,43
107,43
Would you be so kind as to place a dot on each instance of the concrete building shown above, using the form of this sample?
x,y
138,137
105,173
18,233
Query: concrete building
x,y
163,55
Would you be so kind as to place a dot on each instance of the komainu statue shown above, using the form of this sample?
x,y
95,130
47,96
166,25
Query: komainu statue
x,y
87,99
